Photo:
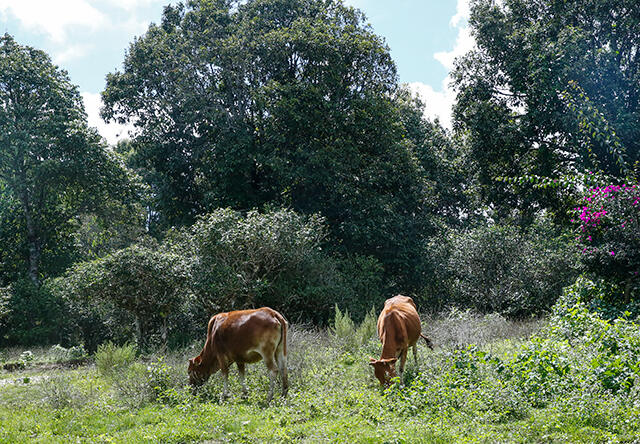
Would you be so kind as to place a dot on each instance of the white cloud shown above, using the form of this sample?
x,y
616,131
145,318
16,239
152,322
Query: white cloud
x,y
128,5
70,52
464,43
440,103
463,11
52,18
110,131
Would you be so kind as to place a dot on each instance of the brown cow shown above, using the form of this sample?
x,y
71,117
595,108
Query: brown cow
x,y
398,329
243,337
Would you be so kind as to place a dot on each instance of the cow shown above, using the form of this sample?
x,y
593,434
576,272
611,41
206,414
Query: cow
x,y
243,337
398,329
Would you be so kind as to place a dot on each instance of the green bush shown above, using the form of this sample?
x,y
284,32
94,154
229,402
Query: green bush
x,y
500,268
143,282
274,259
579,350
33,315
344,332
112,360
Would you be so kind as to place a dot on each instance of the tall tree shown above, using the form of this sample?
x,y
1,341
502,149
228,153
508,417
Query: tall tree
x,y
52,165
551,90
285,102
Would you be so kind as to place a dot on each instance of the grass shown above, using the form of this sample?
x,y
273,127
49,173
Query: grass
x,y
333,397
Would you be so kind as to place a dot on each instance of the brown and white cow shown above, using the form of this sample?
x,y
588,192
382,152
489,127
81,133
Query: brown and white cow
x,y
243,337
398,329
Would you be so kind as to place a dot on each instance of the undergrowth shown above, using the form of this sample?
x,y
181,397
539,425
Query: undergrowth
x,y
576,379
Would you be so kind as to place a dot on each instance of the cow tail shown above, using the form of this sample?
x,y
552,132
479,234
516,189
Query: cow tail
x,y
281,353
283,335
427,340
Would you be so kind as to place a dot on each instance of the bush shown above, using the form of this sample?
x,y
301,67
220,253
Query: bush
x,y
33,315
142,282
112,361
60,354
500,268
275,259
579,351
60,392
608,224
351,338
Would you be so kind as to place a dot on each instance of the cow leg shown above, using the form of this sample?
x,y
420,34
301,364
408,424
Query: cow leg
x,y
403,361
273,373
282,367
242,381
415,353
225,383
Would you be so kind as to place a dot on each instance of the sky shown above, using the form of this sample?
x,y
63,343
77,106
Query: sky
x,y
88,39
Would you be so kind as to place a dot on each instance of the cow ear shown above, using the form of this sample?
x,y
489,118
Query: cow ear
x,y
372,361
391,360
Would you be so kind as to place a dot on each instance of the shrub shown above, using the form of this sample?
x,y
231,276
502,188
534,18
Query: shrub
x,y
608,227
33,315
344,330
500,268
27,357
112,361
274,259
578,351
141,281
60,392
59,354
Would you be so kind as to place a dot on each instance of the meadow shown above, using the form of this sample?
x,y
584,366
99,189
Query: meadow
x,y
488,380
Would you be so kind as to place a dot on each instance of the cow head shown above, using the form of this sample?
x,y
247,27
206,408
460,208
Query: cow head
x,y
199,372
384,369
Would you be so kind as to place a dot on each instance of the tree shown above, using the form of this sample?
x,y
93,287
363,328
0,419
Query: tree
x,y
281,102
550,91
143,282
275,259
52,165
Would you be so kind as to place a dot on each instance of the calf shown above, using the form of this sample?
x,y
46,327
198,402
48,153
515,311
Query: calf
x,y
243,337
398,329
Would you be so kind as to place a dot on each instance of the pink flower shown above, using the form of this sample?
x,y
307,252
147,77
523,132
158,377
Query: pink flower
x,y
612,253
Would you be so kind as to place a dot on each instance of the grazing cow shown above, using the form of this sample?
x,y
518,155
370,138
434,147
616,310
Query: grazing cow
x,y
398,329
243,337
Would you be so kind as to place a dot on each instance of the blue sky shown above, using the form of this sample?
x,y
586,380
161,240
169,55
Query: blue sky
x,y
88,38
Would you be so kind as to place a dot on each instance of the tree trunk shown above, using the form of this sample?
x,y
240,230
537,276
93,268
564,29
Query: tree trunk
x,y
33,240
627,291
138,331
164,332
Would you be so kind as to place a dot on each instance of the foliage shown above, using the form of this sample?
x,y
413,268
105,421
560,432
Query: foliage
x,y
579,351
34,315
289,103
53,167
62,354
112,360
141,281
549,92
350,337
608,222
500,268
273,259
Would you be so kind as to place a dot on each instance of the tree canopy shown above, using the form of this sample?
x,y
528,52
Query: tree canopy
x,y
52,165
551,90
279,102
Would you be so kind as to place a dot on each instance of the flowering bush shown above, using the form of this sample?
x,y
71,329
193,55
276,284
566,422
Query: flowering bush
x,y
609,231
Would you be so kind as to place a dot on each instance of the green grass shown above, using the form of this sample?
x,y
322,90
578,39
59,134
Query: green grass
x,y
333,398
